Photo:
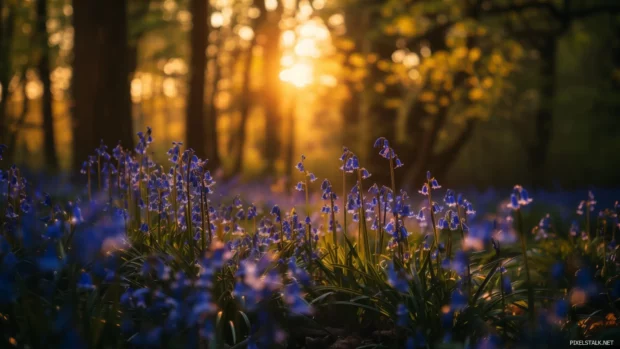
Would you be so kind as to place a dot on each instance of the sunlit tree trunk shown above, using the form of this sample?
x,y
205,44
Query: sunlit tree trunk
x,y
49,143
246,102
270,32
195,121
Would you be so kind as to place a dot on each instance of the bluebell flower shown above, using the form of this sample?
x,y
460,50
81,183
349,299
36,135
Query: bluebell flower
x,y
557,270
85,282
449,198
435,184
299,186
365,173
460,262
514,202
381,142
469,209
506,284
521,198
54,230
458,301
396,280
398,163
50,261
441,224
402,315
3,148
300,166
424,190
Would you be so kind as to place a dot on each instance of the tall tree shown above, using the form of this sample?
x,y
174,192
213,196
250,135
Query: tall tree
x,y
101,78
7,19
195,116
49,143
270,39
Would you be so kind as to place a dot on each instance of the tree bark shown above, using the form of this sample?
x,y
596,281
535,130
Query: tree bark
x,y
195,120
6,37
271,90
101,77
246,101
49,143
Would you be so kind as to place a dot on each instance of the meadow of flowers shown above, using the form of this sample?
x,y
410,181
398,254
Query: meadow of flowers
x,y
144,255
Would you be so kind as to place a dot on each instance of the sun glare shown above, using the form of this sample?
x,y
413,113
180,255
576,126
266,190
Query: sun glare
x,y
299,74
304,44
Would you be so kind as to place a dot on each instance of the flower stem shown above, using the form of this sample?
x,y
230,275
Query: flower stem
x,y
530,289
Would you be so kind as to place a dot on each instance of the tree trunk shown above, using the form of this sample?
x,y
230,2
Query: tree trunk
x,y
101,77
49,143
212,114
246,101
537,152
114,97
86,60
195,121
271,90
6,38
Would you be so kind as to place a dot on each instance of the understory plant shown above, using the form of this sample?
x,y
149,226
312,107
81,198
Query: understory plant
x,y
147,256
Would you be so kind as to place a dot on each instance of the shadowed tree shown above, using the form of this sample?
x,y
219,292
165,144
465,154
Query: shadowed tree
x,y
200,127
49,144
270,41
7,19
194,120
101,77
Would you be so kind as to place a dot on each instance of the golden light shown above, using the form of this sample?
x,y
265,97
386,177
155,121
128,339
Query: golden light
x,y
184,17
175,66
217,19
299,75
306,48
34,89
254,12
147,85
398,56
287,60
318,4
170,87
305,10
336,20
425,51
169,6
414,74
67,10
288,38
328,80
246,33
411,60
271,5
136,90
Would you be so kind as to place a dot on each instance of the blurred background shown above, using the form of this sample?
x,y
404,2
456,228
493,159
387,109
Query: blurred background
x,y
481,92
